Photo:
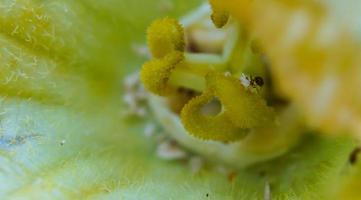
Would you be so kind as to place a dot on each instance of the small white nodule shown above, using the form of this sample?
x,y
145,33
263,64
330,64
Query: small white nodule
x,y
149,129
227,74
196,163
169,150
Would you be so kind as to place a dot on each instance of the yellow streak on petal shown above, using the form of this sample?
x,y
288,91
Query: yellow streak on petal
x,y
315,56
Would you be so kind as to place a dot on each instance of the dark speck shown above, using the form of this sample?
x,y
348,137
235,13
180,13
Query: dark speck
x,y
262,173
259,81
354,154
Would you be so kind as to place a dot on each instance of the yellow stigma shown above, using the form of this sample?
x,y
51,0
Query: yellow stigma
x,y
219,17
155,74
244,109
241,111
164,36
166,43
205,127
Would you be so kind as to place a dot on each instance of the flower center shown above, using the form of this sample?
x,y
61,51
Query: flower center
x,y
194,65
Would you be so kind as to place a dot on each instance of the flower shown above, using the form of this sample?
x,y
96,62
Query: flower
x,y
62,135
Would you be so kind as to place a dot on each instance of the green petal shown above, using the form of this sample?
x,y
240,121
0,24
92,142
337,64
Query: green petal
x,y
97,160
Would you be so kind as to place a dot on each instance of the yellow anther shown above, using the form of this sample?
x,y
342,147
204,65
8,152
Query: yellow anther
x,y
164,36
155,73
218,128
219,17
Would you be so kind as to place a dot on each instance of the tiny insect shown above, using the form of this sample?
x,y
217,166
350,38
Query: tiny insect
x,y
257,81
252,81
